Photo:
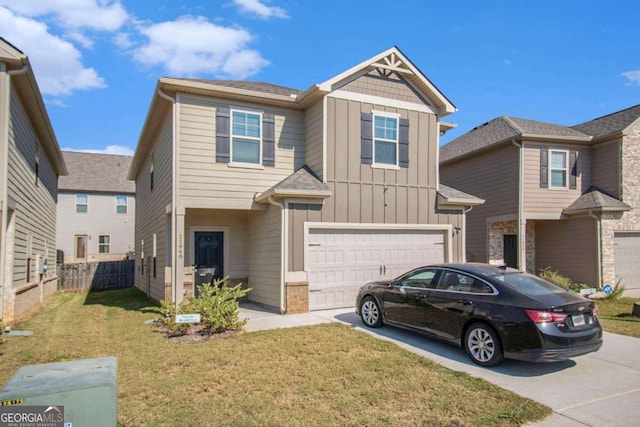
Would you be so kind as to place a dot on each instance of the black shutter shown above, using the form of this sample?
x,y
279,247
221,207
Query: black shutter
x,y
403,143
544,168
222,135
268,140
573,164
366,138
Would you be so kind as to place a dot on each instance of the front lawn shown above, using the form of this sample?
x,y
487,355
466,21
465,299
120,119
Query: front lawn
x,y
320,375
615,316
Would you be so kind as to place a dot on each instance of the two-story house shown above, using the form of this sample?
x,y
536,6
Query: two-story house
x,y
556,196
96,208
30,163
302,195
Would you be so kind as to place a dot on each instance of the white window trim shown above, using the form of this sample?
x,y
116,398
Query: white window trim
x,y
374,139
82,204
566,169
231,136
103,244
126,204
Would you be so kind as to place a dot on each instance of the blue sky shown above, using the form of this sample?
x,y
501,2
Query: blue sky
x,y
97,61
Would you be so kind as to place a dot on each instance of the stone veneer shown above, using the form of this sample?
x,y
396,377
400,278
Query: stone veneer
x,y
497,230
297,297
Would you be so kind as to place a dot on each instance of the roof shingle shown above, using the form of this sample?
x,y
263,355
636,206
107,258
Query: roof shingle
x,y
611,123
246,85
595,199
96,172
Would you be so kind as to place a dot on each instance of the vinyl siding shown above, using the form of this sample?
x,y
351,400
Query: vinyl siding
x,y
151,214
568,246
199,174
606,164
313,138
265,256
101,219
35,212
393,86
550,201
492,176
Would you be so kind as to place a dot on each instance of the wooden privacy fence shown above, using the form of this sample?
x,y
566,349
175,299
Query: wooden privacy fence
x,y
96,276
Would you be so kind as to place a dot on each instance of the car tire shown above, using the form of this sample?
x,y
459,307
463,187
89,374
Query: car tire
x,y
370,312
482,344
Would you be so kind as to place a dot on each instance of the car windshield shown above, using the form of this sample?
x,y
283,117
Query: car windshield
x,y
528,284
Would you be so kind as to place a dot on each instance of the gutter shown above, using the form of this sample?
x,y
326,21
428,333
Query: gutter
x,y
283,305
520,214
598,246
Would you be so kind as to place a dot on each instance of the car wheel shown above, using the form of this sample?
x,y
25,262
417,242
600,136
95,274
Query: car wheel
x,y
482,344
370,312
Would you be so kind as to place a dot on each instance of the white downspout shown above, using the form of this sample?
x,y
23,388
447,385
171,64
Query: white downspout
x,y
521,233
174,210
598,247
283,306
4,134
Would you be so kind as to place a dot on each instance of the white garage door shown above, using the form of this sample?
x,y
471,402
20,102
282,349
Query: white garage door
x,y
627,258
340,261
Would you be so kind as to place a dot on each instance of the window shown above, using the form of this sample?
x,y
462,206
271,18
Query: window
x,y
558,169
246,137
103,244
456,282
82,203
385,140
421,279
121,204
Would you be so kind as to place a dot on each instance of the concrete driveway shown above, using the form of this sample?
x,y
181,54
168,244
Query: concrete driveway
x,y
599,389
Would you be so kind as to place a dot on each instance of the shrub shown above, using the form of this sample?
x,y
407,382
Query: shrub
x,y
617,291
217,305
2,327
168,319
554,276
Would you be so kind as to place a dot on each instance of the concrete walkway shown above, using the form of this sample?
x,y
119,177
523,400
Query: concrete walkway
x,y
598,389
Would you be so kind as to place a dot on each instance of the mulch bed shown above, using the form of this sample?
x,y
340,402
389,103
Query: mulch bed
x,y
195,333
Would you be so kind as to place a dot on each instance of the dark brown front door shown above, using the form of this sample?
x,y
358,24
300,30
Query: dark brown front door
x,y
510,250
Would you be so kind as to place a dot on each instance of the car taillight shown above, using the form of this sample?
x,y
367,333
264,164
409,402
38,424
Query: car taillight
x,y
538,316
595,310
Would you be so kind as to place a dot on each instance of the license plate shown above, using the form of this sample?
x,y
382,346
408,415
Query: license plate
x,y
578,320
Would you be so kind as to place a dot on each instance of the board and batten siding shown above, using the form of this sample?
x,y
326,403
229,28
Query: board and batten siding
x,y
492,176
568,246
314,156
265,231
153,218
605,167
35,213
199,174
100,219
550,201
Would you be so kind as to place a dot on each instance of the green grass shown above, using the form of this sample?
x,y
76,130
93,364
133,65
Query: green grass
x,y
615,316
320,375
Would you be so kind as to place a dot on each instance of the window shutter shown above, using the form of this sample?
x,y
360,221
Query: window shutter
x,y
403,143
366,138
268,140
544,168
222,135
573,173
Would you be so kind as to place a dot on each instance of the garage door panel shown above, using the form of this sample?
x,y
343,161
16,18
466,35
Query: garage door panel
x,y
340,261
627,259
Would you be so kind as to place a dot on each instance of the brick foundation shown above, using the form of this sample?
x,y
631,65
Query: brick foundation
x,y
297,297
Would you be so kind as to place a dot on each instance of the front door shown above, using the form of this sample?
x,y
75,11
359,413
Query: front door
x,y
510,250
81,247
209,251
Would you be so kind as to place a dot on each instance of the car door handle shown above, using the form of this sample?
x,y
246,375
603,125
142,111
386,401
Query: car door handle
x,y
422,295
465,302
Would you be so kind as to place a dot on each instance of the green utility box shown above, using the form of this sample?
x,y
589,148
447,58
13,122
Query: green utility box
x,y
87,389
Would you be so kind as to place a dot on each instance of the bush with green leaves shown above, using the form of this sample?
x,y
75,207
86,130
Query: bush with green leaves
x,y
2,327
554,276
217,304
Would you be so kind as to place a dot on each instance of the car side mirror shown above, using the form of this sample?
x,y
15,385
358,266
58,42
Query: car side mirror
x,y
393,283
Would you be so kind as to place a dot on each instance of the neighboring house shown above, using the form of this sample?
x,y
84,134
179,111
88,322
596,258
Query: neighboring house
x,y
556,196
96,208
302,195
30,163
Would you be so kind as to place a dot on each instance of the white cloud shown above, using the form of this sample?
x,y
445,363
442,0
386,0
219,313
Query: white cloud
x,y
258,8
119,150
122,40
56,102
56,62
104,15
633,77
193,46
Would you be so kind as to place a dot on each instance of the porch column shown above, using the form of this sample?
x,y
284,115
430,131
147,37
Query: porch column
x,y
180,254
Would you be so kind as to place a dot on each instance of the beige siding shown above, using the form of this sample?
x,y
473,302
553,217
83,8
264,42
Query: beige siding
x,y
313,142
151,217
101,219
605,166
199,174
35,213
568,246
393,86
550,201
492,176
265,256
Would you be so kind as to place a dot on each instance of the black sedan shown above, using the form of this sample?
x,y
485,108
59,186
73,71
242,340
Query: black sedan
x,y
493,312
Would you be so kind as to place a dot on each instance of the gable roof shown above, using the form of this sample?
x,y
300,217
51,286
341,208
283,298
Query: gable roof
x,y
595,199
91,172
448,196
301,183
25,83
505,129
610,124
